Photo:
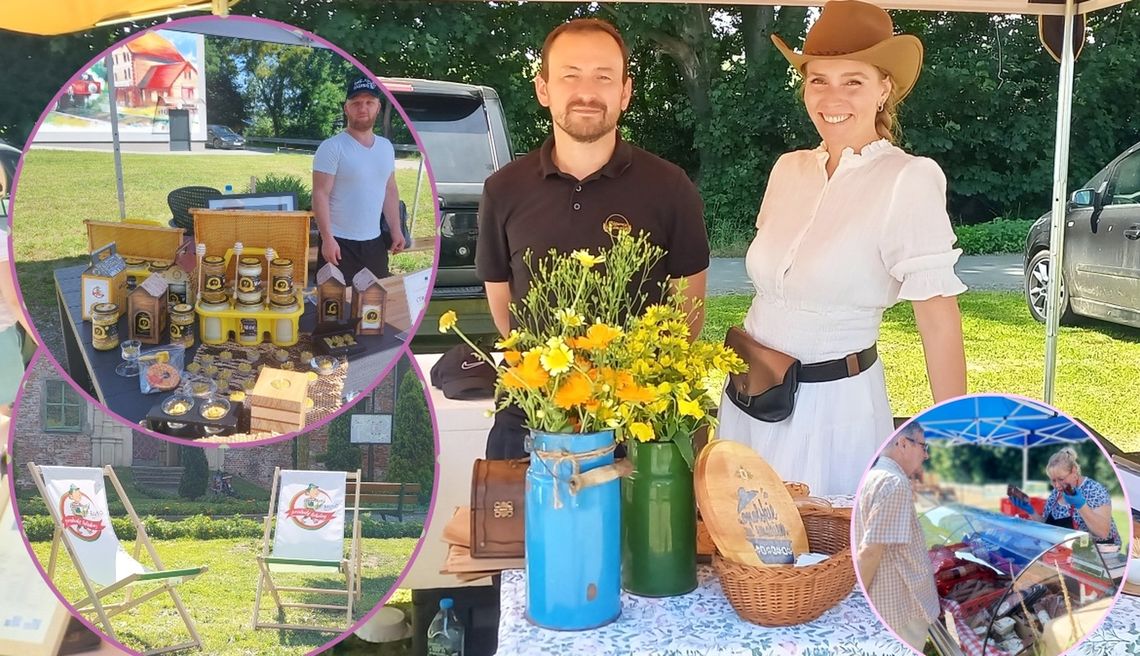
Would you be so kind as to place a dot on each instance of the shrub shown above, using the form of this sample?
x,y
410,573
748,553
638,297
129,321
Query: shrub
x,y
997,236
412,459
286,184
195,473
200,527
342,454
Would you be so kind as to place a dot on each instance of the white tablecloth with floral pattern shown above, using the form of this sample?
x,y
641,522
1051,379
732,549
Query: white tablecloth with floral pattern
x,y
702,622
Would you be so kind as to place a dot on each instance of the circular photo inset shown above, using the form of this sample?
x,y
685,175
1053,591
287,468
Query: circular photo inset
x,y
992,524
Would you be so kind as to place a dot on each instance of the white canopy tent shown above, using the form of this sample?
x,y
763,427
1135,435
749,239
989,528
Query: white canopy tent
x,y
1066,9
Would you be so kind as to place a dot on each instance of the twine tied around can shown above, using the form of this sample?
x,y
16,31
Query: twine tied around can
x,y
578,480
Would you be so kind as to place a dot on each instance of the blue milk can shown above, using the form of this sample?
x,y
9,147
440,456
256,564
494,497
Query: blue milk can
x,y
573,539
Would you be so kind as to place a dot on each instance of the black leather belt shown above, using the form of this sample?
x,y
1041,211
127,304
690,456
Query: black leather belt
x,y
840,368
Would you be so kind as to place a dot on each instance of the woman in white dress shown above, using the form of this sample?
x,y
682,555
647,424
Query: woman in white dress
x,y
845,231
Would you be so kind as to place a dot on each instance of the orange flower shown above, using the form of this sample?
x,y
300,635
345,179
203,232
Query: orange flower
x,y
633,393
512,358
573,391
529,374
598,336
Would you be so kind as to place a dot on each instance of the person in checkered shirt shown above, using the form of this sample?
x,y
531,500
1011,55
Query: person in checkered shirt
x,y
891,555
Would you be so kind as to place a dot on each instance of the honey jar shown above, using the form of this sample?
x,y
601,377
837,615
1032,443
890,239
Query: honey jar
x,y
182,324
213,279
105,326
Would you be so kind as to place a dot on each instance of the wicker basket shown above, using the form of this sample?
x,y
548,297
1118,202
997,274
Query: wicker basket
x,y
784,596
285,232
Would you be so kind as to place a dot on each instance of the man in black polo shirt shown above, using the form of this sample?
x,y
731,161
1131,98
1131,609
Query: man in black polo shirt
x,y
580,185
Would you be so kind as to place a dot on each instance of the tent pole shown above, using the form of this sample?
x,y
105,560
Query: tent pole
x,y
1024,466
1060,180
109,64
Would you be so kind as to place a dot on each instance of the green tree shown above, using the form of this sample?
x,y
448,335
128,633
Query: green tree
x,y
225,104
342,455
195,473
412,458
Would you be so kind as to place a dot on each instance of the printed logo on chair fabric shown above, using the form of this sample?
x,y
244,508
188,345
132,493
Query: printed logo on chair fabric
x,y
312,508
80,517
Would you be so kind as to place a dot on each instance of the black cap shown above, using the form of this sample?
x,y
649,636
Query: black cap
x,y
462,374
362,84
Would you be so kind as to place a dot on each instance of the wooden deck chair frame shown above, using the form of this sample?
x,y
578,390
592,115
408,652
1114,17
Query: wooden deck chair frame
x,y
166,579
350,566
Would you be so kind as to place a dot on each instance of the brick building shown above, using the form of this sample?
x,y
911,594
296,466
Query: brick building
x,y
55,425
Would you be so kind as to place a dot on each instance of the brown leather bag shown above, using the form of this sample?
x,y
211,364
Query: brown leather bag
x,y
767,389
498,489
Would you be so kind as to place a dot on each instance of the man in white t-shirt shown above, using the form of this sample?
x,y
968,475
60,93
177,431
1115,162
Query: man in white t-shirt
x,y
354,189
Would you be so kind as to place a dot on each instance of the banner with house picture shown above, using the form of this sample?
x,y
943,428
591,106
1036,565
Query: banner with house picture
x,y
154,73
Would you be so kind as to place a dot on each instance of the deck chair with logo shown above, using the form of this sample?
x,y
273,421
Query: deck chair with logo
x,y
76,497
304,533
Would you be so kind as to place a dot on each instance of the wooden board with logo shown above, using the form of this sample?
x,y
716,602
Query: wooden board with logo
x,y
748,511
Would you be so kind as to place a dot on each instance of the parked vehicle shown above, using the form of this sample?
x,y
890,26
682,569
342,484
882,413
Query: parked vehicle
x,y
220,136
465,138
1101,265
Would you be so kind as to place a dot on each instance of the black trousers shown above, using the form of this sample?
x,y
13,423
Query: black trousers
x,y
508,435
355,255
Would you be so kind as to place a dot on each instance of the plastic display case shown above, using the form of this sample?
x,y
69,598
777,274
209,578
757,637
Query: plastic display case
x,y
1009,578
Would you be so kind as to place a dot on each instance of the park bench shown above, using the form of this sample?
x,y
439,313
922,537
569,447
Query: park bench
x,y
388,499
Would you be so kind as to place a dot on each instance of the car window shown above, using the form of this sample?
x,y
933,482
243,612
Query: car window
x,y
455,135
1126,181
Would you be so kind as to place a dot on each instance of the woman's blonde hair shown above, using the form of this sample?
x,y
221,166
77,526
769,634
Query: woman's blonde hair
x,y
887,120
1066,458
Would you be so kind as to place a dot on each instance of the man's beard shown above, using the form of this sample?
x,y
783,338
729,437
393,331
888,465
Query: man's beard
x,y
363,124
586,129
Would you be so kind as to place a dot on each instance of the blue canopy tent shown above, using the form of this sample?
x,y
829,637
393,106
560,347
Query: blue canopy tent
x,y
993,420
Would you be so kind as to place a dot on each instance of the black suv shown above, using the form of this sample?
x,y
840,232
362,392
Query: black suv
x,y
1101,270
465,138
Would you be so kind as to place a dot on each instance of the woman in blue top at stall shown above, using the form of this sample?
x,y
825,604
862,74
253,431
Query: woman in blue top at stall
x,y
1077,501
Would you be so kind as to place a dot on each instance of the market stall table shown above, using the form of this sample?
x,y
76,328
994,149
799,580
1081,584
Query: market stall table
x,y
701,622
95,370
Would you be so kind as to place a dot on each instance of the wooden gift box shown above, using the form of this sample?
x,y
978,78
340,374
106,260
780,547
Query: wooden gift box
x,y
369,298
104,281
147,313
135,241
277,402
330,295
287,233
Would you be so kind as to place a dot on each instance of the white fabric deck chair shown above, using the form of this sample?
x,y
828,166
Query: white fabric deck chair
x,y
306,518
76,497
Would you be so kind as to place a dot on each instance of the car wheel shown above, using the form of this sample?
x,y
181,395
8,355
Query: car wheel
x,y
1037,288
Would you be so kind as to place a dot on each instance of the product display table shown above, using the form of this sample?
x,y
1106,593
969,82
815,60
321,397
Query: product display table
x,y
703,622
95,370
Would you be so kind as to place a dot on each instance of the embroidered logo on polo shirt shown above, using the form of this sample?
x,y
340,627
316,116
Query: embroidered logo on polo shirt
x,y
616,224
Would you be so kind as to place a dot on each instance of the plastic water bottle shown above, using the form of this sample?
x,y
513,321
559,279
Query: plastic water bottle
x,y
445,635
229,190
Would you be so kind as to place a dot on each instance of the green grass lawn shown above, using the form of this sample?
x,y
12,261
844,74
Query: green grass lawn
x,y
1098,364
58,190
221,600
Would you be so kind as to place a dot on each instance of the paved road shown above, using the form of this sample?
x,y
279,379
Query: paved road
x,y
979,272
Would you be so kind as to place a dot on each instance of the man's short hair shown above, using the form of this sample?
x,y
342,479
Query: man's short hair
x,y
911,429
579,26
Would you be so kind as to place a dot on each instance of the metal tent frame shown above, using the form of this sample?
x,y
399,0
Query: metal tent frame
x,y
999,420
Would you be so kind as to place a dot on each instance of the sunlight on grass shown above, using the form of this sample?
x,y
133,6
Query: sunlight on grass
x,y
221,600
1098,373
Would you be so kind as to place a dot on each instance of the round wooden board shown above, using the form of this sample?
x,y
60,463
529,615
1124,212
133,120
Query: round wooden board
x,y
749,513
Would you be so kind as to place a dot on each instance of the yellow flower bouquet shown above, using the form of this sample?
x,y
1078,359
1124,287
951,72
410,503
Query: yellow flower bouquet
x,y
562,367
674,382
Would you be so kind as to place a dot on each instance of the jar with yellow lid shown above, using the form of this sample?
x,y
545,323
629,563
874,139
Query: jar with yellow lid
x,y
213,279
105,326
281,279
182,325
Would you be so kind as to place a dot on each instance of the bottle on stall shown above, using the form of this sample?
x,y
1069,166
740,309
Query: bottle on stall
x,y
445,635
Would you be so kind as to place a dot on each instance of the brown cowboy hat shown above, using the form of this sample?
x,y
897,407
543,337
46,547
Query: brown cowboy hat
x,y
850,29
